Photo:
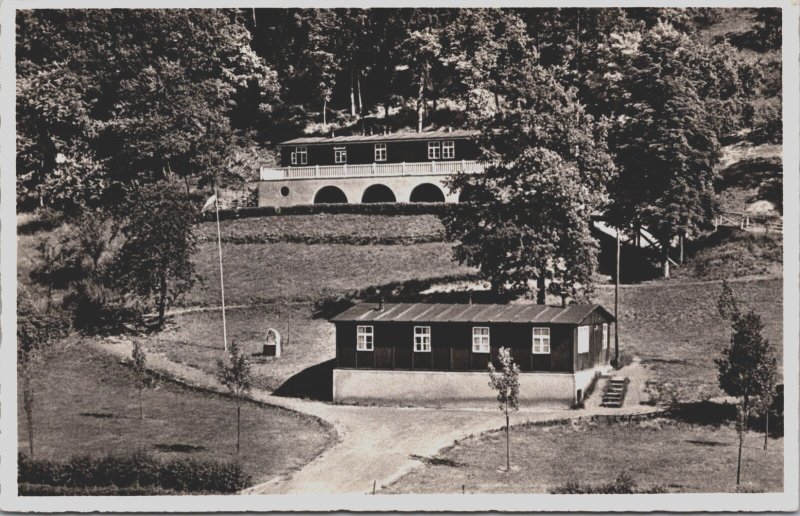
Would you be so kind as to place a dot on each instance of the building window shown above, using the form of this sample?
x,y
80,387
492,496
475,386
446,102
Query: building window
x,y
448,150
302,155
364,338
583,339
541,341
340,154
422,338
294,157
605,335
480,339
434,150
380,152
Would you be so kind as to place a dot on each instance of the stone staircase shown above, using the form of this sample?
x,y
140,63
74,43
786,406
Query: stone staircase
x,y
614,392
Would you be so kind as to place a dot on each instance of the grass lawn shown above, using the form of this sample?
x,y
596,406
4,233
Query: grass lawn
x,y
196,339
370,228
676,330
87,403
679,456
289,271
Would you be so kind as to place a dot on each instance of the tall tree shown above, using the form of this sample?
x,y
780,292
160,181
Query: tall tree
x,y
37,329
666,141
106,97
506,382
155,261
422,49
528,219
236,376
747,371
139,362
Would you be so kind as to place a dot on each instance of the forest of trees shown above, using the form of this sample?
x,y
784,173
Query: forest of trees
x,y
584,111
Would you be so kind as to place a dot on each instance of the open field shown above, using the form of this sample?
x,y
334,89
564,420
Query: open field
x,y
99,414
195,339
326,227
676,330
297,272
687,458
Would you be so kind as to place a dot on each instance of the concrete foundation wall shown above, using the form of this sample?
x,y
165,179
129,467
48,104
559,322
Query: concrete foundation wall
x,y
362,385
303,191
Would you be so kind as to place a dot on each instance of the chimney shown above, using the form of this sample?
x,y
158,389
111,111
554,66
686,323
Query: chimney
x,y
380,304
332,133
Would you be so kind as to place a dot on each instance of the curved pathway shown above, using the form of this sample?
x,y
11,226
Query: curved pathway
x,y
376,444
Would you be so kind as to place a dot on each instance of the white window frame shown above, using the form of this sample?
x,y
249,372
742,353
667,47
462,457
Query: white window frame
x,y
449,149
434,150
365,338
540,344
481,339
340,155
605,335
422,339
381,152
583,339
293,158
301,154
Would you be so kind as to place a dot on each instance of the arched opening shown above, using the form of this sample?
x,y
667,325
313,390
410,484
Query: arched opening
x,y
330,195
378,193
427,192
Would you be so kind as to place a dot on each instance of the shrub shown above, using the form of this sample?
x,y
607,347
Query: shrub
x,y
26,489
623,484
135,470
398,208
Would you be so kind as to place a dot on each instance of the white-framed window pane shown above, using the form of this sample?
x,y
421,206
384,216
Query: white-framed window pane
x,y
541,341
364,338
480,339
380,152
434,150
605,335
422,338
302,155
340,154
583,339
448,150
293,157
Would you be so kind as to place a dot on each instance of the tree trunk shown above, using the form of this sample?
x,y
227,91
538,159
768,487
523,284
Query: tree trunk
x,y
28,401
162,300
238,426
739,460
141,405
324,111
358,84
420,104
616,305
508,445
540,291
666,261
681,239
766,429
352,95
497,101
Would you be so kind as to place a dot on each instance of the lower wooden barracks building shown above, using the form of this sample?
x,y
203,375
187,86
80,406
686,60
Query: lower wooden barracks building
x,y
437,352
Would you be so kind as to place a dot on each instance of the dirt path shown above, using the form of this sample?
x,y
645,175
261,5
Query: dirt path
x,y
376,444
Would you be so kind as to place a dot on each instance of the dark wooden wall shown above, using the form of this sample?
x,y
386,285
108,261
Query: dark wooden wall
x,y
410,151
451,347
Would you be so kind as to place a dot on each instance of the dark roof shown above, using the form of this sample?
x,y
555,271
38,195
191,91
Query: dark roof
x,y
358,138
475,313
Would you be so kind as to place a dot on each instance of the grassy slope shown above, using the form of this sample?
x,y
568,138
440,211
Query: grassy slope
x,y
675,328
87,403
328,226
288,271
688,458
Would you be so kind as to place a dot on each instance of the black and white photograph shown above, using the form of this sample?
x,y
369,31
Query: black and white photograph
x,y
407,258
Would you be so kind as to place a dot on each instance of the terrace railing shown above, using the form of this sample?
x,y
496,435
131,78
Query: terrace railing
x,y
373,169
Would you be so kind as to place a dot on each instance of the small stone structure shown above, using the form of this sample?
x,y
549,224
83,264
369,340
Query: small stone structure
x,y
272,348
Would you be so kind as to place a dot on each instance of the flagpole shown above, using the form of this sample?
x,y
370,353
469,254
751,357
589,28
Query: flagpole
x,y
221,277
